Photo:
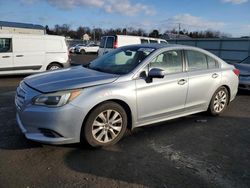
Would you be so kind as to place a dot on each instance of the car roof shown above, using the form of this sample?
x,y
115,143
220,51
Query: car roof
x,y
159,45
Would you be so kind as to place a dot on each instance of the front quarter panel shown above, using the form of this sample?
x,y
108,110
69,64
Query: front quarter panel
x,y
92,96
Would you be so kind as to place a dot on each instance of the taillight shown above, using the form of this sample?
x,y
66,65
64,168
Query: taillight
x,y
237,72
116,44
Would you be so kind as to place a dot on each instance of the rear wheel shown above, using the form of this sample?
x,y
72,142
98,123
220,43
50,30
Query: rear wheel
x,y
83,52
219,101
54,66
105,125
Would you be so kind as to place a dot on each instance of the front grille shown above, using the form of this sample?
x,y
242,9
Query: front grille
x,y
20,97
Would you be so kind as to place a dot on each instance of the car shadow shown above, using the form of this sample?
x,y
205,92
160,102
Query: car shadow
x,y
204,144
133,160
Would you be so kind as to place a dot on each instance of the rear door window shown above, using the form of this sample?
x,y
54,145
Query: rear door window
x,y
5,45
103,40
196,60
212,63
153,41
163,42
110,42
144,41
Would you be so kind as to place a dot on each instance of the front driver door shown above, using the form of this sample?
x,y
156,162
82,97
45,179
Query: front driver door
x,y
163,97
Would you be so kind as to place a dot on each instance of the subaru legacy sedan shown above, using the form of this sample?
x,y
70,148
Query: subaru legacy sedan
x,y
129,87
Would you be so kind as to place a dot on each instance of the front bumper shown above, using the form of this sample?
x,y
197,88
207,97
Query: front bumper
x,y
63,124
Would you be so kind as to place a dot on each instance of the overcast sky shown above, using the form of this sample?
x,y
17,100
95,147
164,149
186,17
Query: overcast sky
x,y
230,16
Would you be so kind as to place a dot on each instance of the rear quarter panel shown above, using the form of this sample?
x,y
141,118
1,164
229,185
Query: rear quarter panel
x,y
230,79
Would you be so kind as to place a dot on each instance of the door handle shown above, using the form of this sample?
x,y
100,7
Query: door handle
x,y
182,81
6,56
19,55
215,75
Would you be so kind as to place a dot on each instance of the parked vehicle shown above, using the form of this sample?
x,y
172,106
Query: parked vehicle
x,y
109,43
22,54
72,48
89,48
244,67
129,87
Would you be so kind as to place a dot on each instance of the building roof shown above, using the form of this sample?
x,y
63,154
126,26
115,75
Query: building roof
x,y
21,25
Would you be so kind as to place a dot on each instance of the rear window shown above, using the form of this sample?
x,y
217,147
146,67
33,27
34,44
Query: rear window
x,y
144,41
102,44
110,42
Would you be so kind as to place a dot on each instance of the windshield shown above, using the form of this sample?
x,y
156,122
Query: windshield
x,y
122,60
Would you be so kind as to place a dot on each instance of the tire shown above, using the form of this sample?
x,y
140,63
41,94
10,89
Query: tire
x,y
105,125
54,66
219,101
82,52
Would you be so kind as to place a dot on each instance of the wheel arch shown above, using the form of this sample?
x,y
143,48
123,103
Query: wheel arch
x,y
229,92
118,101
54,62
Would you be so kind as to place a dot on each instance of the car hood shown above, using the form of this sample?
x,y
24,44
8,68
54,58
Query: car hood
x,y
244,69
66,79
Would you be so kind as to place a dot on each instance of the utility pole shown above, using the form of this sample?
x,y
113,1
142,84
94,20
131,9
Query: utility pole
x,y
94,33
179,29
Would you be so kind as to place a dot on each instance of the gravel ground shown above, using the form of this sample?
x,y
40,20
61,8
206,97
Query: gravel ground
x,y
194,151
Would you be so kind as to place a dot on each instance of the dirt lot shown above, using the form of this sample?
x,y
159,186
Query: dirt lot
x,y
195,151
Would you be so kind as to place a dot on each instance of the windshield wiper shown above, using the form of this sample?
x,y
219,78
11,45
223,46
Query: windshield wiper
x,y
86,65
96,69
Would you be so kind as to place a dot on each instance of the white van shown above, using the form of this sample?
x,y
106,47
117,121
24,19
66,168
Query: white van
x,y
23,54
109,43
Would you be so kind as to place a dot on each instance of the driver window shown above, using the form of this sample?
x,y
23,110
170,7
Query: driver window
x,y
5,45
170,61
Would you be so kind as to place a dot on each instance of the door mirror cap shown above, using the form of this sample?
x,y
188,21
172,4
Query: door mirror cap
x,y
156,73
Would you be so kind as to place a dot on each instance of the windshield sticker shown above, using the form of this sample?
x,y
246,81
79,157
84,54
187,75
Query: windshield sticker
x,y
146,49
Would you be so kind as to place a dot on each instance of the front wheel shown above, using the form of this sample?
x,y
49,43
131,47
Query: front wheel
x,y
219,101
105,125
54,66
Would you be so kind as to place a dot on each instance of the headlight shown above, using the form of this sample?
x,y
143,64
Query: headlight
x,y
56,99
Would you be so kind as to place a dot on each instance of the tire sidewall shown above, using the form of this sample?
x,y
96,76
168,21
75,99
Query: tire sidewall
x,y
92,116
83,52
54,64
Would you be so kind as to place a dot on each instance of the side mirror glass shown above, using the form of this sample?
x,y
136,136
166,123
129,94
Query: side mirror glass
x,y
156,73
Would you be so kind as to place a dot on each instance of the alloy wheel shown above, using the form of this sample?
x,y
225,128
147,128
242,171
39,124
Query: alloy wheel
x,y
220,101
107,126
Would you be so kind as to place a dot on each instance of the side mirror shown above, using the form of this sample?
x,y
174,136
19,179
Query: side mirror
x,y
156,73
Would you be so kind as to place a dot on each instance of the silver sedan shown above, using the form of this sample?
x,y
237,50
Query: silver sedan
x,y
127,88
